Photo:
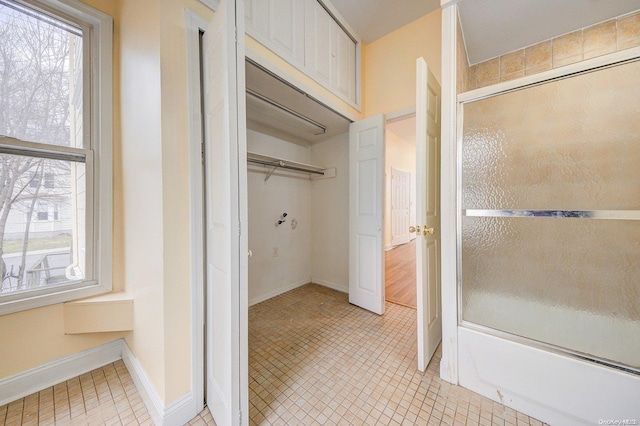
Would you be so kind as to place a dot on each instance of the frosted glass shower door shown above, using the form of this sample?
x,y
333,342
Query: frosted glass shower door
x,y
549,245
550,216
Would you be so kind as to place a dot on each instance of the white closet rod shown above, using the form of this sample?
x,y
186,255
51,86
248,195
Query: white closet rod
x,y
283,165
277,163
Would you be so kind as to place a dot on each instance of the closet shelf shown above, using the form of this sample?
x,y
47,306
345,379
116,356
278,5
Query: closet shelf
x,y
280,163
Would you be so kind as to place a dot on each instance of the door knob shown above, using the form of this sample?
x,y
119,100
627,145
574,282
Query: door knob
x,y
415,229
429,230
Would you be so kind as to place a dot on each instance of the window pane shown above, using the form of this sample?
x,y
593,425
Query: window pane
x,y
40,77
42,228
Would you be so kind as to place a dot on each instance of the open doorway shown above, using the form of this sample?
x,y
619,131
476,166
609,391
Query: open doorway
x,y
400,211
308,347
329,313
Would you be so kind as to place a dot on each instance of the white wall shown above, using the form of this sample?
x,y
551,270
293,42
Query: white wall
x,y
318,249
401,155
330,207
284,192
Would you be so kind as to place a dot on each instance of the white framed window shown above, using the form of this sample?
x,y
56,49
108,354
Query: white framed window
x,y
55,150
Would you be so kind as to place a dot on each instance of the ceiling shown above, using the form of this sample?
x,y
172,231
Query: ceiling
x,y
372,19
490,27
494,27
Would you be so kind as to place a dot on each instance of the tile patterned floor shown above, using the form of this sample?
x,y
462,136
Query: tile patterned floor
x,y
105,396
203,419
314,360
317,360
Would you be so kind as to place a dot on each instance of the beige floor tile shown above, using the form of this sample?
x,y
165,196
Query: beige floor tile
x,y
89,399
312,355
314,360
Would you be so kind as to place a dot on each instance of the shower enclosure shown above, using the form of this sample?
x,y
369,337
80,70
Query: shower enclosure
x,y
549,234
551,214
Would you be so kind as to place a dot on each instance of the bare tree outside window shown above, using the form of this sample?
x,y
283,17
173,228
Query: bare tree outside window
x,y
41,102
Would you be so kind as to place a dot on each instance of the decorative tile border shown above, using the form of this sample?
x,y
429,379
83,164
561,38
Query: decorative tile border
x,y
599,39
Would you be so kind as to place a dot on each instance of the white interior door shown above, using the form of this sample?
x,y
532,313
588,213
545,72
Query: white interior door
x,y
366,206
428,213
225,143
400,206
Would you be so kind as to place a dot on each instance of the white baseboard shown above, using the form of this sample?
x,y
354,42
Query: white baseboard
x,y
151,399
339,287
388,247
59,370
177,413
278,291
180,412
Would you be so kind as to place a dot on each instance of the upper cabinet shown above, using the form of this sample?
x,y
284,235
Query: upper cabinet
x,y
306,35
286,28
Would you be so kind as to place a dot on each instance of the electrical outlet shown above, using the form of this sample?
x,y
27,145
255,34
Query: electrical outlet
x,y
275,252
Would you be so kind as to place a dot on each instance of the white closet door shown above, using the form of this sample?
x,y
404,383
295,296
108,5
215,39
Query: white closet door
x,y
344,63
319,40
366,204
256,13
286,29
225,140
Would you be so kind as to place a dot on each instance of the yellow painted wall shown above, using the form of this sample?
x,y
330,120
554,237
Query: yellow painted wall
x,y
151,247
389,64
155,188
31,338
141,164
175,181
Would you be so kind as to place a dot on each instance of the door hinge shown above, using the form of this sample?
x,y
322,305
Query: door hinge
x,y
240,417
239,228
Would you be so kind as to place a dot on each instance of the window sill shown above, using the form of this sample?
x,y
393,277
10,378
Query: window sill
x,y
12,305
109,312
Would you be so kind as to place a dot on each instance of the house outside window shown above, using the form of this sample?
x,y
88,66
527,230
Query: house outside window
x,y
55,153
49,179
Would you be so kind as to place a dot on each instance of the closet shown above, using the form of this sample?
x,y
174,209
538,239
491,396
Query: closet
x,y
297,186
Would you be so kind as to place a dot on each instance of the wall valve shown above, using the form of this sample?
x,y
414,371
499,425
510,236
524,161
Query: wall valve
x,y
282,219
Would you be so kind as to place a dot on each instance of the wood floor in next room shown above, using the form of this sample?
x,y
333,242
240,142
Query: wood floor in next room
x,y
400,275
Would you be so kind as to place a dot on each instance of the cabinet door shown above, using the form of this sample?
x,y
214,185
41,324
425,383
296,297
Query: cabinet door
x,y
256,18
319,40
343,79
286,29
